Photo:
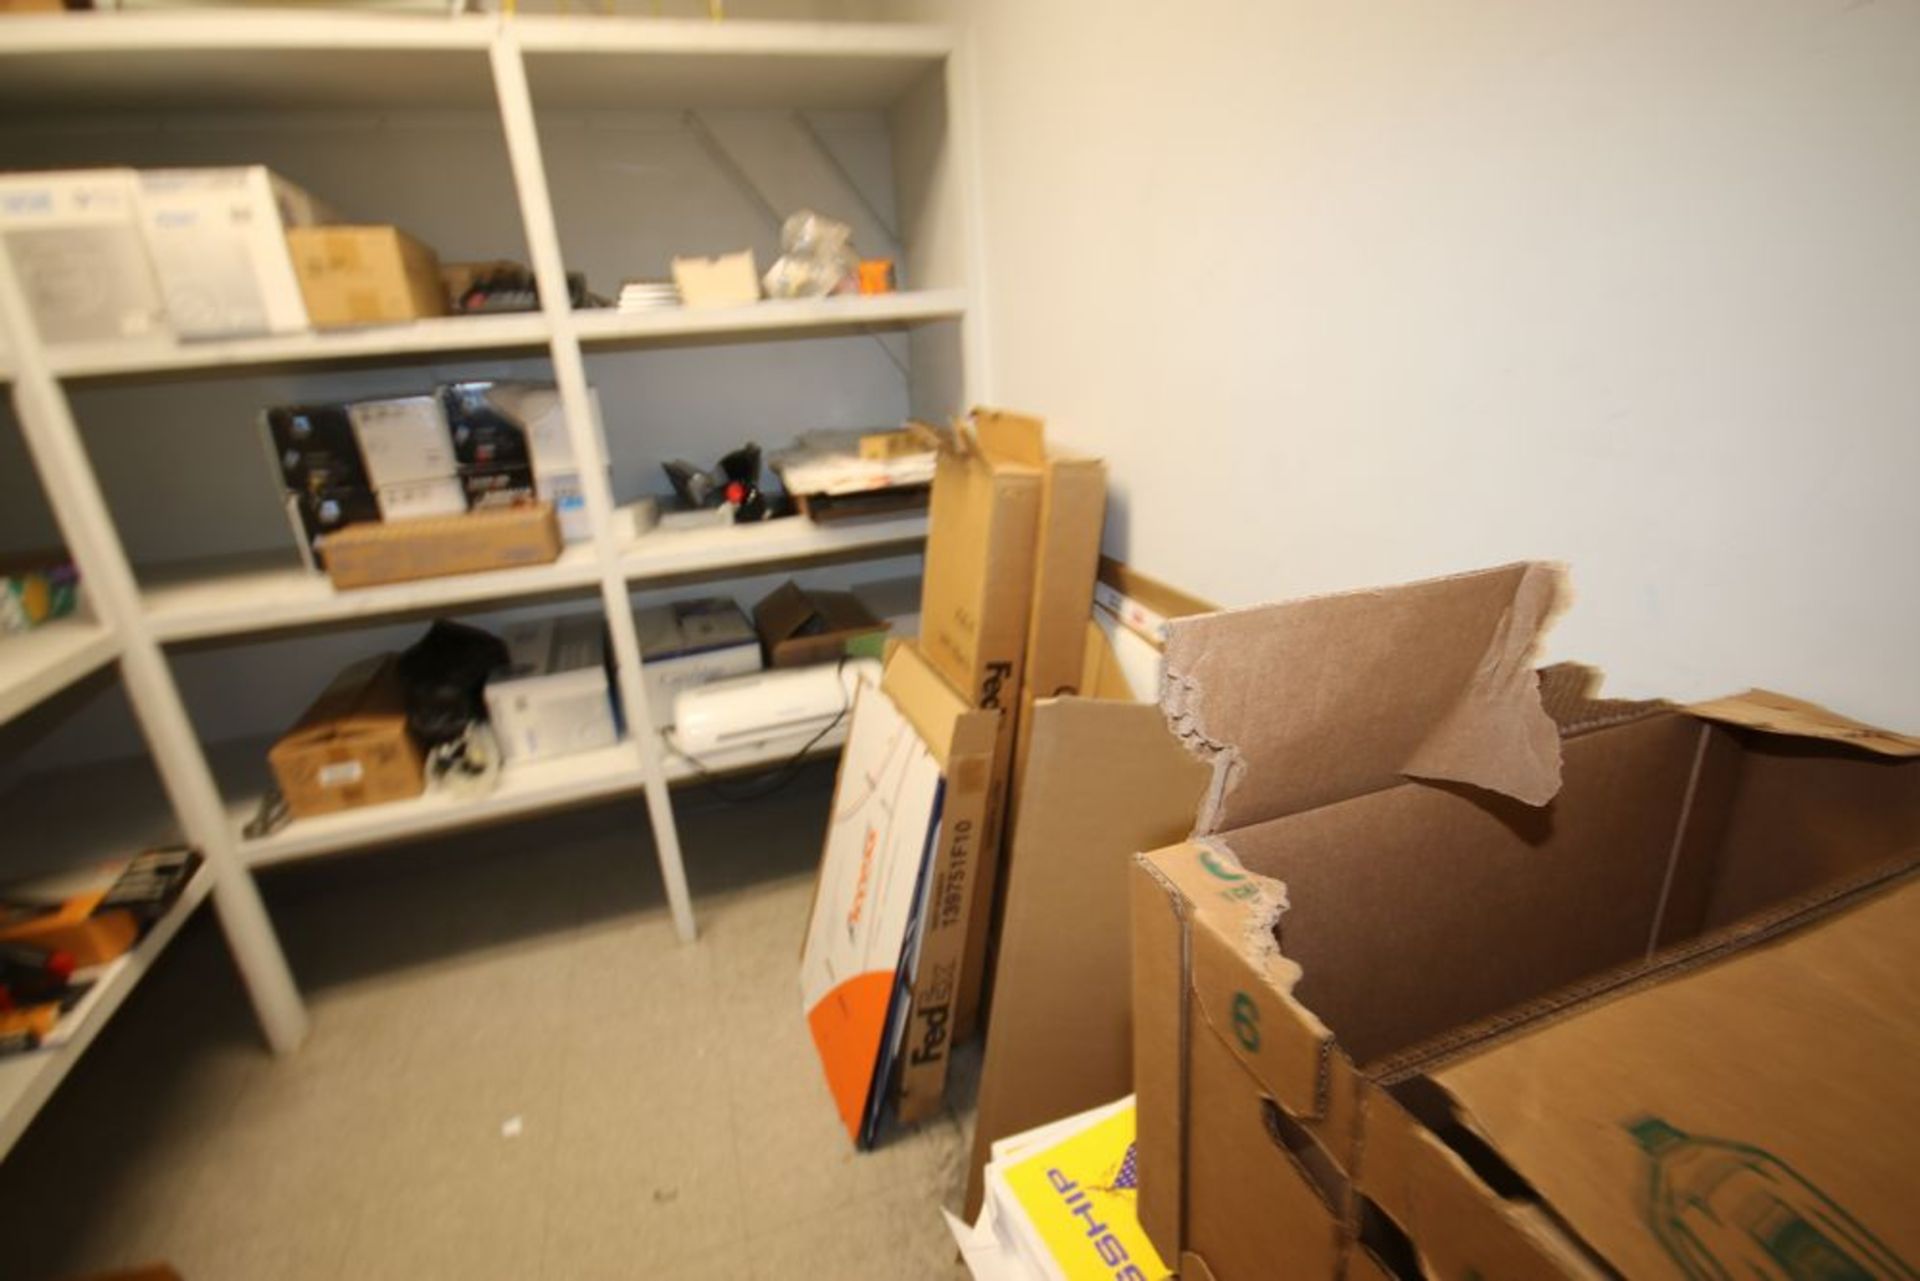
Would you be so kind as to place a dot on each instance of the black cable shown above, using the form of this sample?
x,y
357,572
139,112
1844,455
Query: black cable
x,y
774,777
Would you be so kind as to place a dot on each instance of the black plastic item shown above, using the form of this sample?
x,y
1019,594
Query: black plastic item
x,y
444,674
741,470
693,487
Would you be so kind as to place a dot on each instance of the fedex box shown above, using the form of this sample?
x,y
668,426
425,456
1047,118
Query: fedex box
x,y
218,239
1467,974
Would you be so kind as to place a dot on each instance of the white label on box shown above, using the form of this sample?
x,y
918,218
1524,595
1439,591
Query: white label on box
x,y
403,440
341,774
420,498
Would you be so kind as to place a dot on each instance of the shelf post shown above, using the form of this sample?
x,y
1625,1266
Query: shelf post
x,y
569,371
60,458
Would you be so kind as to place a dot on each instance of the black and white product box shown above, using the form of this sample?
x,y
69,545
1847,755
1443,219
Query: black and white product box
x,y
556,696
503,423
315,514
491,487
403,439
414,499
314,448
218,240
75,243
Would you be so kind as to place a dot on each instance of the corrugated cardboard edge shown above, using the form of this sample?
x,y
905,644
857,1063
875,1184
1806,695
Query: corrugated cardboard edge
x,y
1494,735
1771,713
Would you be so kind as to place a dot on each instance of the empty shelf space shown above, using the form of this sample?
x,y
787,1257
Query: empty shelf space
x,y
440,334
38,664
772,318
664,554
246,595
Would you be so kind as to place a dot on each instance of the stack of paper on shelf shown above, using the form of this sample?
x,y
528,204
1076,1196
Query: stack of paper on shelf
x,y
648,295
1060,1205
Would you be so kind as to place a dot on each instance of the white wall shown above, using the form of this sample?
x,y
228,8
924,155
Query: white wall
x,y
1349,294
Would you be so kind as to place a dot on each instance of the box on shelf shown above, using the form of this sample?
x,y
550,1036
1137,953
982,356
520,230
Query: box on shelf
x,y
365,276
351,747
509,538
403,439
1562,968
94,913
218,240
482,488
76,247
879,971
556,697
499,426
36,588
418,499
728,280
689,643
1103,778
316,514
797,626
314,447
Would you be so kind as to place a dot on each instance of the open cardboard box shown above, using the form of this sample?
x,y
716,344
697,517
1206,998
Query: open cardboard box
x,y
1465,974
1103,778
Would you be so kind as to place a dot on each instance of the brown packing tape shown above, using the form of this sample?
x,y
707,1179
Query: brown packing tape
x,y
1772,713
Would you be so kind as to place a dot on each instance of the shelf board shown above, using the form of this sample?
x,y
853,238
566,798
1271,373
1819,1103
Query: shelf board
x,y
28,1080
375,342
524,789
772,318
668,554
251,594
38,664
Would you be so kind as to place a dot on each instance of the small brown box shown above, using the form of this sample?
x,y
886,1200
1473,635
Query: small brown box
x,y
798,627
351,748
367,555
365,276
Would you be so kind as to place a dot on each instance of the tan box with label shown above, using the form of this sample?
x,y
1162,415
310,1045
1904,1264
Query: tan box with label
x,y
365,276
351,748
369,554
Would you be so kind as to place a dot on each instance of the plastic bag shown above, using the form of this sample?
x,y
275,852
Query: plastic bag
x,y
819,258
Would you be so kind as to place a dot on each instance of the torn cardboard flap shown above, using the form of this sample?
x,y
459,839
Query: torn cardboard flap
x,y
1772,713
1431,680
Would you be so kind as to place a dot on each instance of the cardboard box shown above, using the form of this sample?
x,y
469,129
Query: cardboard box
x,y
798,627
420,499
367,555
365,276
900,848
351,748
1104,779
1531,942
984,526
556,697
961,739
403,439
506,424
218,242
75,243
729,280
690,643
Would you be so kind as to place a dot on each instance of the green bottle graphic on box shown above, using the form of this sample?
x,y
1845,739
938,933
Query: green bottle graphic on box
x,y
1727,1210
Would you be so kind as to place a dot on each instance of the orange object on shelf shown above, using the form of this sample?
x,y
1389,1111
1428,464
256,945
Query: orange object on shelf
x,y
876,275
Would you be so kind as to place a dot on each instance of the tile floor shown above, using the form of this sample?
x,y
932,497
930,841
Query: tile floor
x,y
515,1071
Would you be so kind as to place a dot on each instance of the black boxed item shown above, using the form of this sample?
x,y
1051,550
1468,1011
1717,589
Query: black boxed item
x,y
491,487
314,447
317,513
487,433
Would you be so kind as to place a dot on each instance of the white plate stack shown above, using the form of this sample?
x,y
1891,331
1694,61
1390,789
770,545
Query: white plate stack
x,y
648,295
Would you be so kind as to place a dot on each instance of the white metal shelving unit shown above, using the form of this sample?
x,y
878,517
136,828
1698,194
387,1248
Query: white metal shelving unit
x,y
203,61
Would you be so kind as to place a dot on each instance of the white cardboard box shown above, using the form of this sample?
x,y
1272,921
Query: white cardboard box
x,y
556,471
414,499
554,699
403,440
690,643
75,243
218,241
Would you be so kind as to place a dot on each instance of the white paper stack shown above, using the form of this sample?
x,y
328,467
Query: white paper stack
x,y
648,295
1061,1205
